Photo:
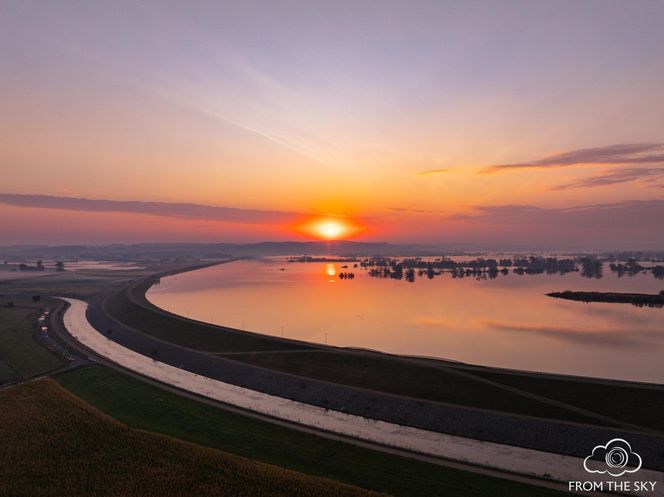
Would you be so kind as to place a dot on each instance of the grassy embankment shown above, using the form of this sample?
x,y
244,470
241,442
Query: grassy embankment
x,y
642,405
636,404
80,454
56,444
21,356
484,388
150,408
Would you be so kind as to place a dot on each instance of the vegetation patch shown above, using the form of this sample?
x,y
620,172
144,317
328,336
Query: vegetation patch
x,y
56,444
637,299
21,356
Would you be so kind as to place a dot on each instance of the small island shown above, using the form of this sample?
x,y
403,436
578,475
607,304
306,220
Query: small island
x,y
637,299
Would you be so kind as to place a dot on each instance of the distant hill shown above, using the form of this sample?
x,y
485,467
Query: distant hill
x,y
142,251
157,251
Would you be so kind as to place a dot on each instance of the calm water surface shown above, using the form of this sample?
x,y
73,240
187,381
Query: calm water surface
x,y
507,322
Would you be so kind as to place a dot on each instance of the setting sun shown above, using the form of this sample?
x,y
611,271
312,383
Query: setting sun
x,y
329,228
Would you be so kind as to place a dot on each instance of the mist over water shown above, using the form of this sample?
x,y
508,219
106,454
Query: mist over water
x,y
507,321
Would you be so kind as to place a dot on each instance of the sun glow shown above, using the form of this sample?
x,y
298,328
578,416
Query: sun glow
x,y
329,228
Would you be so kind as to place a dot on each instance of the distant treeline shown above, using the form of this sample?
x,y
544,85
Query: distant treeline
x,y
637,255
308,258
26,267
481,268
408,268
632,267
59,266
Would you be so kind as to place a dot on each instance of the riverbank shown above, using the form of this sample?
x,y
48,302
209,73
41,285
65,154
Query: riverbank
x,y
507,458
152,406
547,412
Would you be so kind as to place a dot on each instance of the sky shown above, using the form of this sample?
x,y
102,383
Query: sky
x,y
532,123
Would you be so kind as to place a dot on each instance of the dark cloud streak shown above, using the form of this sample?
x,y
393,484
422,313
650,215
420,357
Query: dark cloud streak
x,y
613,177
626,153
177,210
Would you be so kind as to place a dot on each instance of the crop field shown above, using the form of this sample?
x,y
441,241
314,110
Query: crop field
x,y
56,444
147,407
69,283
20,354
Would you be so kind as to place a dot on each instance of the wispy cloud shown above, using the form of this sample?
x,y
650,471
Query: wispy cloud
x,y
432,172
626,153
520,213
179,210
612,177
507,211
412,209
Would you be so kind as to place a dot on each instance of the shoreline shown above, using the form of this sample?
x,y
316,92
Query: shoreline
x,y
141,299
496,456
576,428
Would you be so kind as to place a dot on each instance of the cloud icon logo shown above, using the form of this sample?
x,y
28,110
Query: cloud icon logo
x,y
615,458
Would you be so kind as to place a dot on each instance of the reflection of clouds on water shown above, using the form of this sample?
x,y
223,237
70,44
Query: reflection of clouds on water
x,y
619,314
435,321
584,336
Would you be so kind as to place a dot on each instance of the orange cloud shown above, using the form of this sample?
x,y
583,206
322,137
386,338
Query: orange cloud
x,y
431,172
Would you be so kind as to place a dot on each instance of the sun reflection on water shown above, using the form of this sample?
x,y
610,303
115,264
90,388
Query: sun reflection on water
x,y
330,271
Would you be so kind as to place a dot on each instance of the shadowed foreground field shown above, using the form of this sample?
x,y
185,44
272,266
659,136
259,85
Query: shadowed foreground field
x,y
150,408
55,444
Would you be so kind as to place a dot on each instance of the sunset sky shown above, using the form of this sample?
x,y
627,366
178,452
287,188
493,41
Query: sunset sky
x,y
533,123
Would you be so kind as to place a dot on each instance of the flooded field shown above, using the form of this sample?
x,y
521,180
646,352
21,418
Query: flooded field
x,y
507,321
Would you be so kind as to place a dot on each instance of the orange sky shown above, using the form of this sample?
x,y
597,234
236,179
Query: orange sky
x,y
386,117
